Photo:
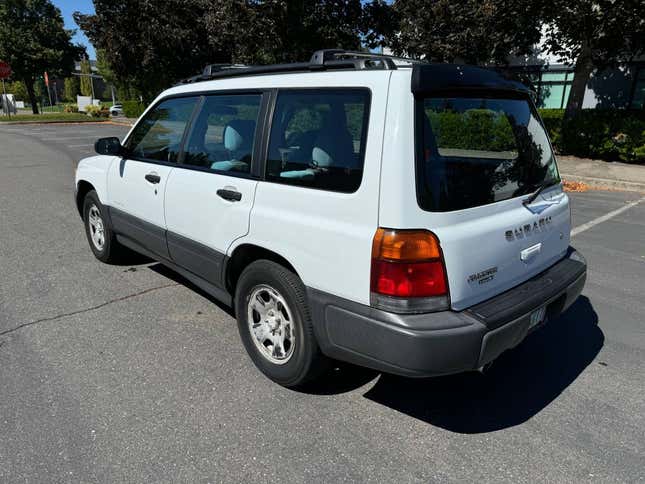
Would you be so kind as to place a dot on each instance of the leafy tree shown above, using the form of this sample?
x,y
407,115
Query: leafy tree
x,y
71,89
379,23
18,89
124,90
471,31
304,26
33,40
149,45
154,44
86,79
593,35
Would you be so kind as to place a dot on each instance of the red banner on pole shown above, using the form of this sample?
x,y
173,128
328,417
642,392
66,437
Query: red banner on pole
x,y
46,79
5,70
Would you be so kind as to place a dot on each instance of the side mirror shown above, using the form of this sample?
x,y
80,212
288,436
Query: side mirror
x,y
108,146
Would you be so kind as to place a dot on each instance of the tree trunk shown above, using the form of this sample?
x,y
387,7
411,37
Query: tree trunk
x,y
582,72
29,84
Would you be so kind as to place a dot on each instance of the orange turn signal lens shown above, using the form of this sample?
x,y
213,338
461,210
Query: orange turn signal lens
x,y
405,245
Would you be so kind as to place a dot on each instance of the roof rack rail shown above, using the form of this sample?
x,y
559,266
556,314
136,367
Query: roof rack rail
x,y
213,68
321,60
392,62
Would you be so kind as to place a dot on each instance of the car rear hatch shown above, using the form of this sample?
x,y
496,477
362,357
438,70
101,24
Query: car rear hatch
x,y
482,153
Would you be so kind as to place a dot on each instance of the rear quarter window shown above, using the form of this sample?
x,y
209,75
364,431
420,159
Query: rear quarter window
x,y
318,137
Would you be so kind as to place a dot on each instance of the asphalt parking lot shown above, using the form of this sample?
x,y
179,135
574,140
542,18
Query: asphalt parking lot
x,y
129,374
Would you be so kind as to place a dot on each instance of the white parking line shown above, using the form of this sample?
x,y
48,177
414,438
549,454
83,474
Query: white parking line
x,y
80,146
604,218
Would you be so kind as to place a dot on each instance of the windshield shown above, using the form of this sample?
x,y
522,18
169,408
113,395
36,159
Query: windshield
x,y
478,151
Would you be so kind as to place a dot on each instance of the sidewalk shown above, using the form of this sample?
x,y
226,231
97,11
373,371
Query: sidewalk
x,y
603,174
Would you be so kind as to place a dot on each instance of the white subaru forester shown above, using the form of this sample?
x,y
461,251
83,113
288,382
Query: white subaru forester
x,y
403,216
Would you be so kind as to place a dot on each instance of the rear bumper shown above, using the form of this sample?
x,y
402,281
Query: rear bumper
x,y
443,342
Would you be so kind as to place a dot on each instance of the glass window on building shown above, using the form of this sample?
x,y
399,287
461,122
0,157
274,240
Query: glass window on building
x,y
554,88
638,95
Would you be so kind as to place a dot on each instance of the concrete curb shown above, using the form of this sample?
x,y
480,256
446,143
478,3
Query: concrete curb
x,y
14,123
606,183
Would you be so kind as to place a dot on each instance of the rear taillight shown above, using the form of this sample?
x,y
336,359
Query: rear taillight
x,y
408,273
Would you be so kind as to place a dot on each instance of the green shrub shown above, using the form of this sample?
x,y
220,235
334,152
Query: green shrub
x,y
70,108
553,122
608,134
133,109
97,112
475,129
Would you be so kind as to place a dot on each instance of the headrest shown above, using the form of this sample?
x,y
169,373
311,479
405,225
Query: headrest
x,y
238,134
333,145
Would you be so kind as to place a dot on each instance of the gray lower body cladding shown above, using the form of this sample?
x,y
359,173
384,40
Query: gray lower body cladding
x,y
444,342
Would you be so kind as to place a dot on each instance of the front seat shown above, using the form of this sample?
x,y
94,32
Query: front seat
x,y
238,142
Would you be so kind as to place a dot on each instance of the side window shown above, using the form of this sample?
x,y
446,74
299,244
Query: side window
x,y
158,135
223,133
318,139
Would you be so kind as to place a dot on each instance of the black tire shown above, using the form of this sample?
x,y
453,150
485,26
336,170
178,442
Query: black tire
x,y
111,251
306,361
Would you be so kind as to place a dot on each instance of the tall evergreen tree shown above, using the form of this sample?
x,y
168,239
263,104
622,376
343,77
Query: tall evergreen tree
x,y
71,88
86,78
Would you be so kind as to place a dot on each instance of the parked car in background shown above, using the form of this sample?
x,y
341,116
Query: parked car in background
x,y
404,216
116,110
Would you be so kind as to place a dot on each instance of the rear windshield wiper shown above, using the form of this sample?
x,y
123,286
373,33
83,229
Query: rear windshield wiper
x,y
535,194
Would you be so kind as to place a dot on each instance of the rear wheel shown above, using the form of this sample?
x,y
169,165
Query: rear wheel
x,y
275,324
99,232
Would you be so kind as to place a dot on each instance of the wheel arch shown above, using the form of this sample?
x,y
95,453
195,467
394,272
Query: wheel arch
x,y
82,189
245,254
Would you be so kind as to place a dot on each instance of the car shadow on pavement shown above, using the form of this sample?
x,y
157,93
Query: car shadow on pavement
x,y
179,279
519,384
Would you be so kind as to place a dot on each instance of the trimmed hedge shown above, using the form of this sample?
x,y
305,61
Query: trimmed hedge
x,y
97,112
608,134
476,129
50,118
133,109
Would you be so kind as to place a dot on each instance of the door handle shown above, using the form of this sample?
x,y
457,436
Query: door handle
x,y
231,195
153,178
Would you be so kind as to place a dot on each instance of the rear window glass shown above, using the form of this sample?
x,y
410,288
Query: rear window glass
x,y
318,139
477,151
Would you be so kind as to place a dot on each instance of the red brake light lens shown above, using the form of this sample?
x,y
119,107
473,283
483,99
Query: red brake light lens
x,y
407,264
408,279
